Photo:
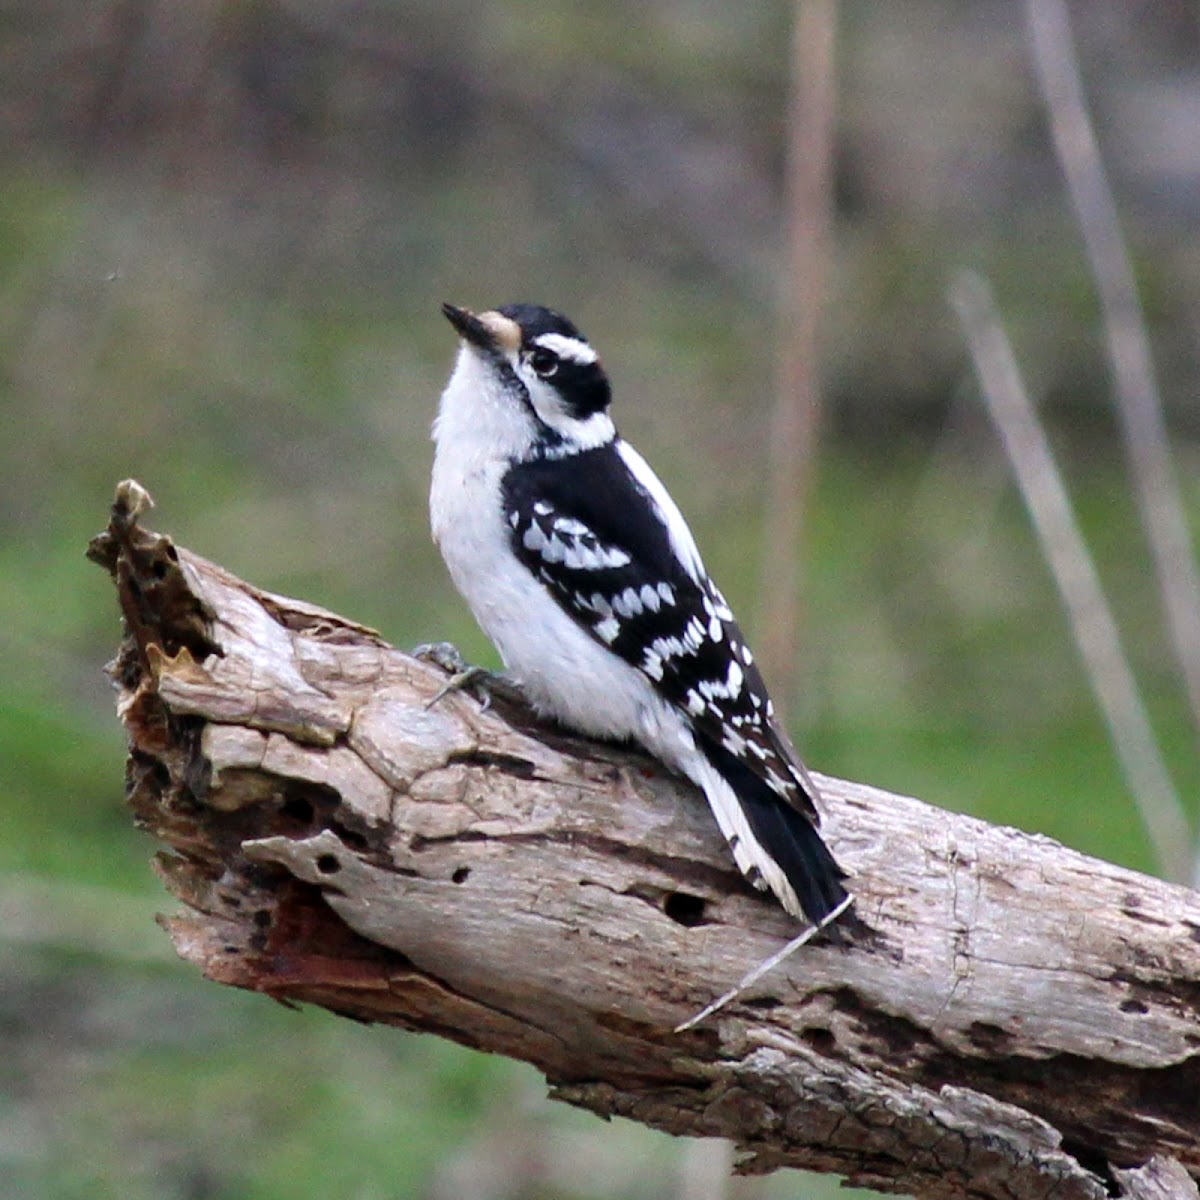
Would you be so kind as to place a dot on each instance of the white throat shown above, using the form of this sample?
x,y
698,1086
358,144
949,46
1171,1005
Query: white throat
x,y
477,419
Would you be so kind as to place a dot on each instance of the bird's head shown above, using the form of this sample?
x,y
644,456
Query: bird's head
x,y
536,361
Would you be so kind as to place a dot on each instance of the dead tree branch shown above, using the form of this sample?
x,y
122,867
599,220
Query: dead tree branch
x,y
1006,1017
795,422
1091,619
1131,364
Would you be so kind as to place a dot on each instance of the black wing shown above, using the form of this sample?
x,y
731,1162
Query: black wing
x,y
593,535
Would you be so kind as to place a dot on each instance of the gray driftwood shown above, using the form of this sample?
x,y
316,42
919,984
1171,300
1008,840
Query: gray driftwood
x,y
1004,1017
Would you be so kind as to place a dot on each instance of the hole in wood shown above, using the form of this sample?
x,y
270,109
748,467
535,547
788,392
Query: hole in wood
x,y
354,840
989,1038
460,875
298,808
1134,1006
821,1040
685,909
328,864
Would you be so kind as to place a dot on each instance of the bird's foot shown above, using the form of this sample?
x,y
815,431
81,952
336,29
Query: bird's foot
x,y
441,654
477,681
474,681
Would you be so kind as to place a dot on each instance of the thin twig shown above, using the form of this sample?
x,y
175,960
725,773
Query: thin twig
x,y
1139,403
1090,617
797,388
767,964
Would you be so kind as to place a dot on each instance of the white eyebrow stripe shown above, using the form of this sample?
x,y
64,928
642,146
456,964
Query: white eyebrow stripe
x,y
569,348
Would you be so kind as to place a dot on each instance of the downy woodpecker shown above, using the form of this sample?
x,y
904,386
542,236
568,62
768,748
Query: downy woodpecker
x,y
578,565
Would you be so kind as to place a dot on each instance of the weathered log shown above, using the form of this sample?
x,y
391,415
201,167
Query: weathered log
x,y
1002,1016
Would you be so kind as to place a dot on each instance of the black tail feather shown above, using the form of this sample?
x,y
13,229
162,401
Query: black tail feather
x,y
786,834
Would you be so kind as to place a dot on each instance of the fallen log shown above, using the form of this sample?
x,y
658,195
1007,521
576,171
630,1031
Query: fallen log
x,y
1001,1016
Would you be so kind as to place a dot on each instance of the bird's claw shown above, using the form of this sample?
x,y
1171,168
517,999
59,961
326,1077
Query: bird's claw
x,y
474,680
479,682
441,654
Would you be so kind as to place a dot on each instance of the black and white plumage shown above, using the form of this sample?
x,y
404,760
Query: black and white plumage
x,y
579,566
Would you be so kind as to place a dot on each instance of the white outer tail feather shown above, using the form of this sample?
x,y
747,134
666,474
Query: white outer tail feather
x,y
752,859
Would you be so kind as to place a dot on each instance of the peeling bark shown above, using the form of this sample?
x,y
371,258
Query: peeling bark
x,y
1002,1017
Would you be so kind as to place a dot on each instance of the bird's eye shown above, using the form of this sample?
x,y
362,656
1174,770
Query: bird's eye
x,y
544,362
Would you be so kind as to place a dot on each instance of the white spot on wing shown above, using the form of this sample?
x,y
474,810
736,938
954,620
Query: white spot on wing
x,y
576,557
568,526
724,689
608,629
734,743
628,603
534,539
584,558
721,606
565,543
670,647
733,681
693,635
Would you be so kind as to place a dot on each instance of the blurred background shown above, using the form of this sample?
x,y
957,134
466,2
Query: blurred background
x,y
225,230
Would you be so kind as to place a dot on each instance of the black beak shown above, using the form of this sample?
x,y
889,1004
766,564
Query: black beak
x,y
469,327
